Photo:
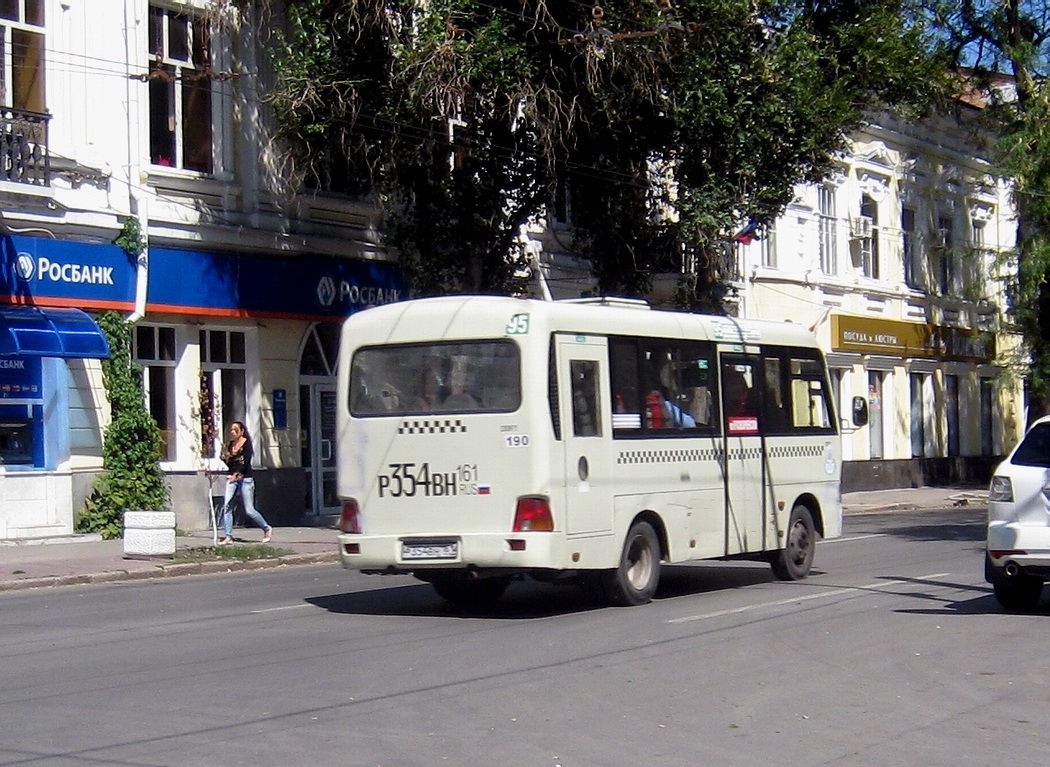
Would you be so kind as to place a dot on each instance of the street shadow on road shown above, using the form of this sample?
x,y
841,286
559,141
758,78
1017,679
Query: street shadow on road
x,y
522,601
950,526
528,599
983,601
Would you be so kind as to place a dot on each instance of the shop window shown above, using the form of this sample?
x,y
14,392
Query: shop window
x,y
22,42
875,387
918,415
987,416
180,90
155,352
223,390
951,395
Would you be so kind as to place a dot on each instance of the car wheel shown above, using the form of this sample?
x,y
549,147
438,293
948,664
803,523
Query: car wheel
x,y
1020,592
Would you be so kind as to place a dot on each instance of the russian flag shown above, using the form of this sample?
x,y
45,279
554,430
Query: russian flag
x,y
747,234
484,490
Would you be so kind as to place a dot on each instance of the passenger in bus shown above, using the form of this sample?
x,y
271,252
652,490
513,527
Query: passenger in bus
x,y
431,386
460,384
662,413
700,404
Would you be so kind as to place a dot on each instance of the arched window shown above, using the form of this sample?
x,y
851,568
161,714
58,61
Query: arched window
x,y
320,355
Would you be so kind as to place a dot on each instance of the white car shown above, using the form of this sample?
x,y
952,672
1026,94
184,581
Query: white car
x,y
1017,558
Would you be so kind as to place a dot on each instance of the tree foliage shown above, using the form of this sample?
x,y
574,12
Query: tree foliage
x,y
131,444
1004,47
664,124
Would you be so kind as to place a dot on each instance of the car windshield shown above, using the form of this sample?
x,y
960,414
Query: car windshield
x,y
1034,449
456,377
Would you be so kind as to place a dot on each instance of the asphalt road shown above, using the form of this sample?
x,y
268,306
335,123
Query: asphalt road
x,y
893,652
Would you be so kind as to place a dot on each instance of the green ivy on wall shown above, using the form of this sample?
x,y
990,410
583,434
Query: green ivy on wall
x,y
131,447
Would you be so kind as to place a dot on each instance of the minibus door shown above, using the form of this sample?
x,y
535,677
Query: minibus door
x,y
586,431
744,464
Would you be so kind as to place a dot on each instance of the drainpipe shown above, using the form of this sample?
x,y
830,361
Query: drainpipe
x,y
138,201
140,209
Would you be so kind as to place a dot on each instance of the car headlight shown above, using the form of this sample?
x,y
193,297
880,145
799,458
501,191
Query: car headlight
x,y
1001,489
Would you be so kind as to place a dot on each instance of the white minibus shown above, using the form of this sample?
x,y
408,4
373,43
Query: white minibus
x,y
483,439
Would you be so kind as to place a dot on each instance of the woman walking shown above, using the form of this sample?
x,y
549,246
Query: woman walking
x,y
238,458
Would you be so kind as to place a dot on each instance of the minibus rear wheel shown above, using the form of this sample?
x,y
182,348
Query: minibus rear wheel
x,y
635,580
793,562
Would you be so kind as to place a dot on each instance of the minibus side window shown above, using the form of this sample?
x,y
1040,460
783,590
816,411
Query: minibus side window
x,y
795,398
662,387
586,399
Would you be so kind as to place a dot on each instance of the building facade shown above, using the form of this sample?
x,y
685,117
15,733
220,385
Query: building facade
x,y
150,113
897,263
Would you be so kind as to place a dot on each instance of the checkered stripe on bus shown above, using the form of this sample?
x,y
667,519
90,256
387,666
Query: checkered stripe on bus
x,y
432,426
796,451
667,456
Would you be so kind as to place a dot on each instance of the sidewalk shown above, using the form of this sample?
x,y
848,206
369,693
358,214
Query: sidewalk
x,y
75,559
79,559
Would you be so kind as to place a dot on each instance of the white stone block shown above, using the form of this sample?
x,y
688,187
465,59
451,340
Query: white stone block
x,y
149,534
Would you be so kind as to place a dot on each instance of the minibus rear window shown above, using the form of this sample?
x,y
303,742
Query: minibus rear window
x,y
446,377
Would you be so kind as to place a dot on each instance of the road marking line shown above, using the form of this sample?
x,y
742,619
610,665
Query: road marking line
x,y
852,538
807,598
277,609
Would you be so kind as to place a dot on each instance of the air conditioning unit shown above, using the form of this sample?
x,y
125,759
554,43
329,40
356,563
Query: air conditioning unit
x,y
860,227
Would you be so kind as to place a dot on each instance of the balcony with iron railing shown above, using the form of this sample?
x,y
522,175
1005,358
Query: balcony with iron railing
x,y
24,158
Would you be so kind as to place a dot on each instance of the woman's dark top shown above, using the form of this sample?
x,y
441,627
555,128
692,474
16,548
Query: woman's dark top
x,y
240,462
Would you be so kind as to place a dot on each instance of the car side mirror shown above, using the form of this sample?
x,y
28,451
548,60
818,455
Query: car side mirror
x,y
860,411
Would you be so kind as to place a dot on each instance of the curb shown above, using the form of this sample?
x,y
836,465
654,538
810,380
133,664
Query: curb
x,y
170,571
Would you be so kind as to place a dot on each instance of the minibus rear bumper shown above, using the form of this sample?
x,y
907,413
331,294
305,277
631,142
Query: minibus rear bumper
x,y
405,554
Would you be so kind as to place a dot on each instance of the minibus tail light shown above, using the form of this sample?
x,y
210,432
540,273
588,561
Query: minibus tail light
x,y
350,519
533,515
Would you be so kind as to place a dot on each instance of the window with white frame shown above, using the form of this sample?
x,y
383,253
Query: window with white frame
x,y
22,41
155,351
224,390
828,242
869,241
768,246
943,248
911,254
180,90
979,260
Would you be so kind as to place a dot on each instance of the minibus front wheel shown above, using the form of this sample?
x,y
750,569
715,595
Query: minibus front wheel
x,y
793,562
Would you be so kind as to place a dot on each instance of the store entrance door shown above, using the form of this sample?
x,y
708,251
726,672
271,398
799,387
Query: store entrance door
x,y
318,361
319,458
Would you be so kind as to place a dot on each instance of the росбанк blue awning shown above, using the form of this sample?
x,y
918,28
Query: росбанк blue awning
x,y
50,332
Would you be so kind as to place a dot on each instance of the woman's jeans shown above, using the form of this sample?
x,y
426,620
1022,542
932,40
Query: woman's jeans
x,y
246,487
